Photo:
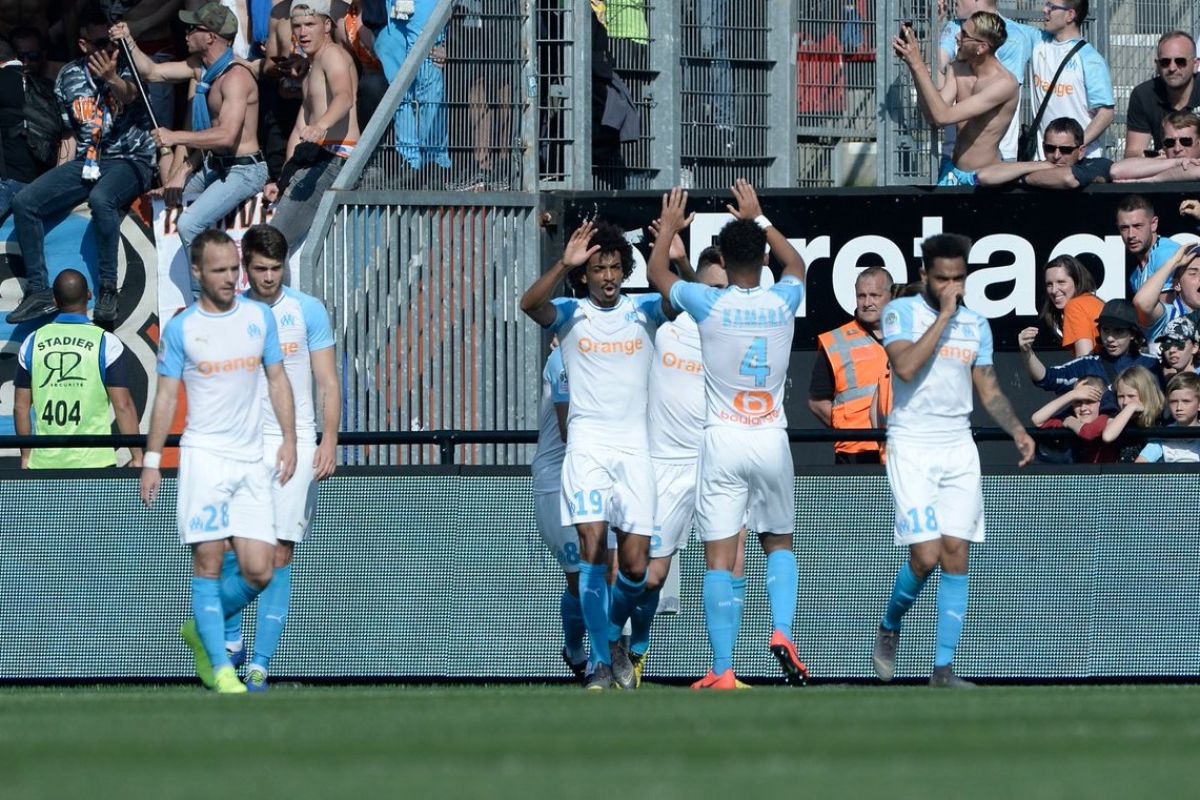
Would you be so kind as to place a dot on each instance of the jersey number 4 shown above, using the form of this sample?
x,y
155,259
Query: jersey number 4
x,y
754,363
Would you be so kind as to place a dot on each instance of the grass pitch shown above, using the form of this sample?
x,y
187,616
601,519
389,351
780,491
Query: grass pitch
x,y
558,741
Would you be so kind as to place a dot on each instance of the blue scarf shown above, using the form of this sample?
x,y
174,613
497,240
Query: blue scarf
x,y
200,117
260,20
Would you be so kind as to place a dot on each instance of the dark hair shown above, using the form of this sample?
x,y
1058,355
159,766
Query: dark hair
x,y
911,289
1067,125
1182,119
709,255
70,289
265,241
1135,202
612,240
575,283
27,32
201,243
93,15
742,244
1051,316
945,245
1166,37
1080,7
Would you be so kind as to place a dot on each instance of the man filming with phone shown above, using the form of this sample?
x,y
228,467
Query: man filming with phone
x,y
980,100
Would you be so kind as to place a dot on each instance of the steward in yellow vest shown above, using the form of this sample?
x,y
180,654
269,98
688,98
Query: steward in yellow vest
x,y
67,373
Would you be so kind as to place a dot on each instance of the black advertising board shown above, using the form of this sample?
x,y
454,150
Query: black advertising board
x,y
840,232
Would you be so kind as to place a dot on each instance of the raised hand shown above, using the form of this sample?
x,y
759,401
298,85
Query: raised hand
x,y
677,250
1025,338
746,205
1190,208
579,248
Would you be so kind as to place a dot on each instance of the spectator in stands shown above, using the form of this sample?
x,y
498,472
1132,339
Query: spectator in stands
x,y
76,400
1141,402
33,51
108,161
1071,307
355,34
713,86
1085,421
239,10
1181,135
150,24
422,137
224,165
1014,54
283,72
326,131
1174,88
1156,307
1177,347
1064,166
1146,251
980,100
1084,88
615,116
1183,401
18,164
851,370
1121,341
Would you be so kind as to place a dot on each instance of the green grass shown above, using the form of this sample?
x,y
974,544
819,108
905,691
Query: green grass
x,y
533,742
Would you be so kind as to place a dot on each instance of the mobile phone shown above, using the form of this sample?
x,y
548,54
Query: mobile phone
x,y
1148,153
905,24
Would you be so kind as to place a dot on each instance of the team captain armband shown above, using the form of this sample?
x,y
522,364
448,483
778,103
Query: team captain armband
x,y
1091,170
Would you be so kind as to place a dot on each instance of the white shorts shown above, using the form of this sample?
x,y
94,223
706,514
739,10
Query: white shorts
x,y
745,478
218,497
601,484
295,501
676,506
561,540
937,491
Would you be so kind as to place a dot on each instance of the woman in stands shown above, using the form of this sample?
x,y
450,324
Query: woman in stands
x,y
1071,306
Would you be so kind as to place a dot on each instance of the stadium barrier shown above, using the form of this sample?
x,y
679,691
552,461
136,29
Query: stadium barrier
x,y
438,573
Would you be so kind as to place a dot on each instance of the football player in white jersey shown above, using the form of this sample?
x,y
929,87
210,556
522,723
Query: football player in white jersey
x,y
218,348
307,341
607,342
746,474
939,349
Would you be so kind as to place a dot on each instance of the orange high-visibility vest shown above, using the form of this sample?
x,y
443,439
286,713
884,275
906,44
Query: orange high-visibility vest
x,y
860,371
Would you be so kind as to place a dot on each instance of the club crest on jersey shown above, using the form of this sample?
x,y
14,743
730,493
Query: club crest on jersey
x,y
633,316
253,331
287,321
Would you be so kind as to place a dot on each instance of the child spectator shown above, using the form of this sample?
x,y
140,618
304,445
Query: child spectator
x,y
1141,402
1183,400
1177,347
1085,421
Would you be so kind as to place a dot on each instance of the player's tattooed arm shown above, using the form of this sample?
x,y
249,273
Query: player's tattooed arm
x,y
535,303
1001,411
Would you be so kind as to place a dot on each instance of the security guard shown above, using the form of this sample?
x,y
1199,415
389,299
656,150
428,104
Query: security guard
x,y
851,385
68,371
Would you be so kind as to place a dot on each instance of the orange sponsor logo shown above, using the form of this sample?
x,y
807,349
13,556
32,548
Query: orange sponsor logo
x,y
754,408
672,361
627,347
289,348
210,368
964,354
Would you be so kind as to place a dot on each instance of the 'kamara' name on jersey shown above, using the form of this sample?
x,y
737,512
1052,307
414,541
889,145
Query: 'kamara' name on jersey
x,y
756,317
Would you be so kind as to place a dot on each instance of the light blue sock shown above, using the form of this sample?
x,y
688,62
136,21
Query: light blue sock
x,y
739,603
952,608
782,584
272,616
625,596
905,592
572,625
236,594
593,599
210,620
718,617
233,624
640,621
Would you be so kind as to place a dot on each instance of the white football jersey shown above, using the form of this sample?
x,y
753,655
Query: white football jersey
x,y
935,406
607,353
219,358
304,329
677,406
746,343
547,460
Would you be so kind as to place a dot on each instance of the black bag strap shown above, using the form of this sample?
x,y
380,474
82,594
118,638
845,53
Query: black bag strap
x,y
1041,112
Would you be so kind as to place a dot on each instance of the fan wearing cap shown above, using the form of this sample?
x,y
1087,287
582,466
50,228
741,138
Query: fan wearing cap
x,y
1154,313
224,165
326,129
1177,347
1121,341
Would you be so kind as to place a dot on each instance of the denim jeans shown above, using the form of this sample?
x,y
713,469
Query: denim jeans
x,y
61,189
221,191
295,209
422,136
8,190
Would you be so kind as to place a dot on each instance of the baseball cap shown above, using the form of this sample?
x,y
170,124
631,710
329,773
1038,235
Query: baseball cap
x,y
213,17
1179,329
321,7
1118,313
